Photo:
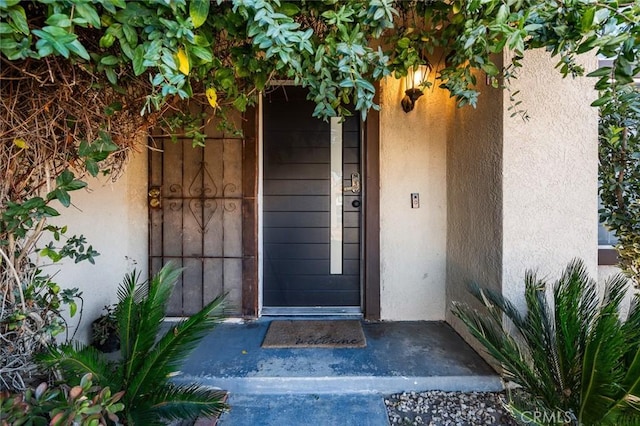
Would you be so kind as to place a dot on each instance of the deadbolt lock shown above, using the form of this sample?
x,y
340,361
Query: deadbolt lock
x,y
155,196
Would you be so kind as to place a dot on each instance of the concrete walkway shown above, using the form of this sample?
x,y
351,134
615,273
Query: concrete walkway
x,y
312,386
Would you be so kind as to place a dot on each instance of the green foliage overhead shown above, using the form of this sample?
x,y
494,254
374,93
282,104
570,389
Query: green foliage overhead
x,y
576,361
336,48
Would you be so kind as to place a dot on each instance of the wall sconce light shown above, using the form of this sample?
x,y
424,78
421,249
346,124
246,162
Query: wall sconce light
x,y
415,81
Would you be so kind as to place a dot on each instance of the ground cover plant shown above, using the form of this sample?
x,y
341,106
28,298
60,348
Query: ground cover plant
x,y
574,356
83,404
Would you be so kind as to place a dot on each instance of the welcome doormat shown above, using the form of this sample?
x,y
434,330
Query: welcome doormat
x,y
315,334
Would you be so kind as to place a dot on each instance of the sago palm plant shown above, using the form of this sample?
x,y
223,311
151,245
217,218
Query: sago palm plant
x,y
573,357
147,359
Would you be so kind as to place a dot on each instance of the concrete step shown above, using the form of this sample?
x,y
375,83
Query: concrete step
x,y
347,384
399,356
303,410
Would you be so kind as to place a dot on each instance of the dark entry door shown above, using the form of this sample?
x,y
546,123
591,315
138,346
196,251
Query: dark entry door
x,y
312,205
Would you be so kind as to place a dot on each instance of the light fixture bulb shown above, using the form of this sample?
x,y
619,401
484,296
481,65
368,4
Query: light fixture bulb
x,y
416,77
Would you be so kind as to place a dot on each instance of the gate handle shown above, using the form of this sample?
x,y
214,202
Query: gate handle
x,y
355,184
155,197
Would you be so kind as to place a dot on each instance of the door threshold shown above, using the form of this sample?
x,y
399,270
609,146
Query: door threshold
x,y
352,311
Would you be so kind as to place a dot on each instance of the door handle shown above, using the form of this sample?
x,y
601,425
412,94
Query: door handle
x,y
155,197
355,184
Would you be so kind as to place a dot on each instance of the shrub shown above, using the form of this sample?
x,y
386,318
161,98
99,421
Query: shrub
x,y
83,404
573,358
147,362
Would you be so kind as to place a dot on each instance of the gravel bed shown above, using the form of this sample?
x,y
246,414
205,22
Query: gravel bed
x,y
448,408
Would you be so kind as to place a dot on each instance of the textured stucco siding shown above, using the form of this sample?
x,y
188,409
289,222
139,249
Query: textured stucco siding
x,y
474,204
550,174
412,241
522,195
113,218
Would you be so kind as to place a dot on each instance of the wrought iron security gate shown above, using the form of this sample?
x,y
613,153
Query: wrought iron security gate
x,y
195,219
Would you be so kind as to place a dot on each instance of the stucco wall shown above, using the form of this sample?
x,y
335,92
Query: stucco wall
x,y
474,179
113,218
550,166
522,195
412,241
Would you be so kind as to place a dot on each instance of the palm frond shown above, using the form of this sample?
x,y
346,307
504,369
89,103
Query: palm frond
x,y
539,337
631,331
153,306
528,410
523,360
491,333
141,315
632,324
78,360
127,313
158,292
575,301
602,367
174,402
626,407
171,350
497,305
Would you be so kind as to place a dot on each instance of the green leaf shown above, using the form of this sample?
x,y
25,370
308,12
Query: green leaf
x,y
138,60
33,203
88,12
62,196
588,18
92,167
109,60
5,4
289,9
19,18
75,185
5,29
53,39
600,72
111,76
61,34
490,68
240,103
65,177
59,20
198,11
202,53
130,34
503,14
77,48
365,84
403,43
50,211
